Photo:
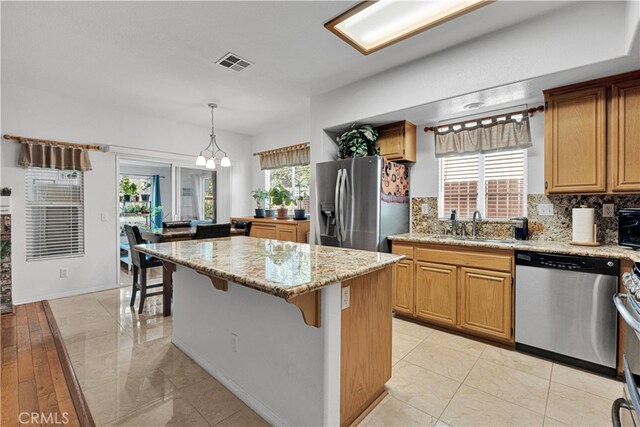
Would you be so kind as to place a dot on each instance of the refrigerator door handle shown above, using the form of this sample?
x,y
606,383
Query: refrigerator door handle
x,y
337,204
343,203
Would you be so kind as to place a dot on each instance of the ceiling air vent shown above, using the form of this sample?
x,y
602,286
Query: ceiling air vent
x,y
233,62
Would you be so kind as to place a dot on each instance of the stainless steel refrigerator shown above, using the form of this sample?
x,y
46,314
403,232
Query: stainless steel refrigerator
x,y
353,210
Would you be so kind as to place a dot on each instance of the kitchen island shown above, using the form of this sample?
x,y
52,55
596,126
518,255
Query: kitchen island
x,y
301,333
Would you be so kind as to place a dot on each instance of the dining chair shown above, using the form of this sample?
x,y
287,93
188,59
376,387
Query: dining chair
x,y
243,225
141,262
211,231
176,224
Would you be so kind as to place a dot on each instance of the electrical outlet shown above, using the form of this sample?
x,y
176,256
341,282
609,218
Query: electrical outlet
x,y
64,273
346,297
545,209
234,342
425,209
608,210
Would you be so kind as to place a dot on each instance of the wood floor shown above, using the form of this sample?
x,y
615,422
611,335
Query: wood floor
x,y
33,378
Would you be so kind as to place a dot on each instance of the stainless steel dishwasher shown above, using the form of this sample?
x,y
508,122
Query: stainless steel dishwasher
x,y
565,310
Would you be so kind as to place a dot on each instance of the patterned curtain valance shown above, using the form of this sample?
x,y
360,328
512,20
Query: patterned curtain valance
x,y
294,155
484,137
54,156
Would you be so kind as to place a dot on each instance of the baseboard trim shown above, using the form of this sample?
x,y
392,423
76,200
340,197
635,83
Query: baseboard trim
x,y
260,408
70,293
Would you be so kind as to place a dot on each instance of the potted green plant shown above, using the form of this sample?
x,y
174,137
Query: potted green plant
x,y
127,188
5,192
260,195
280,196
358,142
144,194
300,212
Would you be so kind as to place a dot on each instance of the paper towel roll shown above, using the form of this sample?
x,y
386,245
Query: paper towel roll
x,y
583,225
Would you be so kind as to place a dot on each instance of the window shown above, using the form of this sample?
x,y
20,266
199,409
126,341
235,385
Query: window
x,y
492,183
54,213
295,179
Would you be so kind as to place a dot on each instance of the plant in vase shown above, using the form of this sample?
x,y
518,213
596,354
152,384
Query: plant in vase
x,y
300,212
6,192
280,196
260,195
127,188
358,142
144,193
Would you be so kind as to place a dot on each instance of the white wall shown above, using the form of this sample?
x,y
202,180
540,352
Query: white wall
x,y
424,173
39,114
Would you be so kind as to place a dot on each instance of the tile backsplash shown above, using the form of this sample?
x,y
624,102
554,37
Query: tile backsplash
x,y
554,227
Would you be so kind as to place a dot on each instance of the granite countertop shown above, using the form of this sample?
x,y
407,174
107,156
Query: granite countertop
x,y
605,251
283,269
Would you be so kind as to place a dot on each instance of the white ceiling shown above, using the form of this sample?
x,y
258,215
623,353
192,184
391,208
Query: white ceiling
x,y
159,57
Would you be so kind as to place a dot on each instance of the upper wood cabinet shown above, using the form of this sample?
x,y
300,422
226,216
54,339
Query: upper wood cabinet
x,y
575,142
592,136
624,137
397,141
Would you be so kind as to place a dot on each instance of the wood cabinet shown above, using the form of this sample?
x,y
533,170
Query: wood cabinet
x,y
436,292
397,141
485,302
592,136
575,142
624,137
461,288
278,229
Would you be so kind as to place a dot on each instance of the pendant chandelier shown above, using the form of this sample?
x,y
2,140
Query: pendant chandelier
x,y
210,163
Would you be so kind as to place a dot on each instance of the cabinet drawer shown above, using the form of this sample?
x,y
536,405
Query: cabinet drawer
x,y
402,250
466,258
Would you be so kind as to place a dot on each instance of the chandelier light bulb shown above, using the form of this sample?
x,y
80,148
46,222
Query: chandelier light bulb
x,y
201,161
211,164
225,162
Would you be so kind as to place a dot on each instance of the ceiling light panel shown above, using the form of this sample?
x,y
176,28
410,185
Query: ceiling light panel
x,y
371,26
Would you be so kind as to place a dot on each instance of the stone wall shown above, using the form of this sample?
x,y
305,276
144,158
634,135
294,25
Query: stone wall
x,y
6,304
555,227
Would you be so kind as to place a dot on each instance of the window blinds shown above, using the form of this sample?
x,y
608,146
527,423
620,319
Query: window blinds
x,y
54,213
504,184
460,177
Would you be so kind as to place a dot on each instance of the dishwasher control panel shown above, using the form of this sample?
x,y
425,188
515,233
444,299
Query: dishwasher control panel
x,y
569,263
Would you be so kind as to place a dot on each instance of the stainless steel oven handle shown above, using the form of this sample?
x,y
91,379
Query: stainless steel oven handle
x,y
624,311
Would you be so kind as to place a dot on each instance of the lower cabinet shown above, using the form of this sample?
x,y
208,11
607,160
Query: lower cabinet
x,y
458,288
276,229
286,232
436,292
485,302
263,231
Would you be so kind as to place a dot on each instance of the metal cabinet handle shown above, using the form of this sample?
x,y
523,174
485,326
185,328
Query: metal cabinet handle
x,y
624,312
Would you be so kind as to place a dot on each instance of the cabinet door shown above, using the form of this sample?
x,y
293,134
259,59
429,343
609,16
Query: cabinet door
x,y
391,141
403,287
436,292
575,142
625,136
486,302
263,231
286,232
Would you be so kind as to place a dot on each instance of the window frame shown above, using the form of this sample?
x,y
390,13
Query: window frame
x,y
293,188
482,187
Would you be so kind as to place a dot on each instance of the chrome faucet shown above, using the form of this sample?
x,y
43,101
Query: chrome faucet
x,y
454,228
474,230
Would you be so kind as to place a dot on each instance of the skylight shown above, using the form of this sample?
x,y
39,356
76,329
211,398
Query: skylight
x,y
371,26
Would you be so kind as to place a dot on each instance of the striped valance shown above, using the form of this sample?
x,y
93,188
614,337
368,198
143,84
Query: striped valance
x,y
53,156
293,155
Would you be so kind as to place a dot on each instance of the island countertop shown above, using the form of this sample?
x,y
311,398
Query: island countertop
x,y
283,269
605,251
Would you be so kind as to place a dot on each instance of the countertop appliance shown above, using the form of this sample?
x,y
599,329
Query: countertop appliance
x,y
354,210
521,228
628,305
564,309
629,228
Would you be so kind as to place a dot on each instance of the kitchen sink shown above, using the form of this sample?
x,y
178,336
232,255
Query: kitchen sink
x,y
477,239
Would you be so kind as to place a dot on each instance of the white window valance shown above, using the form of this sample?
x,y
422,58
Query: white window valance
x,y
293,155
499,133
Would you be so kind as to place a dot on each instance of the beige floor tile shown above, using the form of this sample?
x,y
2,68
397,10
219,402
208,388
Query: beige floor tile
x,y
412,329
183,371
403,344
170,412
456,342
119,397
441,423
87,330
420,388
212,400
514,386
394,361
393,412
73,306
586,381
98,346
577,407
442,360
244,418
550,422
522,362
471,407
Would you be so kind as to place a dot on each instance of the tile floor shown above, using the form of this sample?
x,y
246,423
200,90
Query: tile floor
x,y
132,375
